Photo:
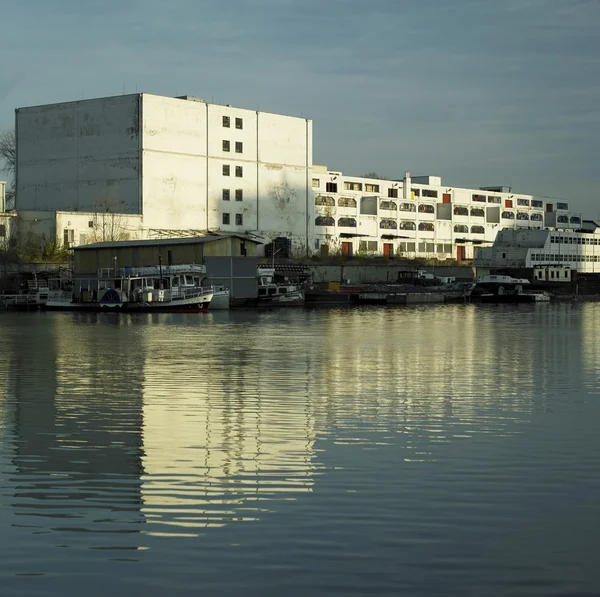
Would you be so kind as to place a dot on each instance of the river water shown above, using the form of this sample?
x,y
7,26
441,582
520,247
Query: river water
x,y
449,450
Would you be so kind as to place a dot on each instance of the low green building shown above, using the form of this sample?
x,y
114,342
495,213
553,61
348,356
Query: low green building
x,y
89,259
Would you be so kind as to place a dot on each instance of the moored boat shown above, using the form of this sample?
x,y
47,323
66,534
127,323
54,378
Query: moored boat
x,y
276,294
506,289
174,288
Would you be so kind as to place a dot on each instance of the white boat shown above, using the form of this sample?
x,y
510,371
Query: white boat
x,y
221,299
171,288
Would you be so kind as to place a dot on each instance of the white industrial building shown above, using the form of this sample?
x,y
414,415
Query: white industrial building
x,y
160,166
143,166
420,217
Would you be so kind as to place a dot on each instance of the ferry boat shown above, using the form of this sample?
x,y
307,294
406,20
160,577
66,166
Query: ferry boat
x,y
171,288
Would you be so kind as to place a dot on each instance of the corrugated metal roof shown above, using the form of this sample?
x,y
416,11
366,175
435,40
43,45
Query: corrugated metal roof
x,y
154,242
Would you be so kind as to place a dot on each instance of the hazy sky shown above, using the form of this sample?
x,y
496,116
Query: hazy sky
x,y
480,92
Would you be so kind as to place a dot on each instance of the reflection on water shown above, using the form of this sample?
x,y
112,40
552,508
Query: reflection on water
x,y
152,438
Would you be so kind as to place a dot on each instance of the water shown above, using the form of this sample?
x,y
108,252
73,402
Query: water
x,y
439,451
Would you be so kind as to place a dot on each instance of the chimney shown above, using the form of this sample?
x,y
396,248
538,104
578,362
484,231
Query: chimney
x,y
407,191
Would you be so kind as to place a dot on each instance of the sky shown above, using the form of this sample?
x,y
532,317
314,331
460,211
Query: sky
x,y
479,92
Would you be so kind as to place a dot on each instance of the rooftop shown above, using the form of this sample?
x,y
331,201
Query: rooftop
x,y
158,242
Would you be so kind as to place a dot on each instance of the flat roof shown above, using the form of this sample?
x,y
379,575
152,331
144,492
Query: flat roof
x,y
153,242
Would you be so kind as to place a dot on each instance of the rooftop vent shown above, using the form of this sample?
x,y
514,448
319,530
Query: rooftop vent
x,y
190,98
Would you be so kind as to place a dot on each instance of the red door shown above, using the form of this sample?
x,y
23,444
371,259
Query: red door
x,y
388,250
347,249
460,253
446,198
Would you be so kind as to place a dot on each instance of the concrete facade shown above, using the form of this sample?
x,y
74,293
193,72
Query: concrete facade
x,y
178,163
421,217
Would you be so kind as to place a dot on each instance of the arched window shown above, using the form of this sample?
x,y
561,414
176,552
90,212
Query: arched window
x,y
461,228
562,219
425,208
426,227
388,205
324,221
388,224
522,215
407,225
477,229
536,217
407,207
347,223
508,215
477,212
324,200
347,202
575,220
460,210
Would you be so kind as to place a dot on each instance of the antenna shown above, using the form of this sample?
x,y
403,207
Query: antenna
x,y
123,87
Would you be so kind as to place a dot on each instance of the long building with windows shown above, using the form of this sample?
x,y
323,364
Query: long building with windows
x,y
421,217
146,166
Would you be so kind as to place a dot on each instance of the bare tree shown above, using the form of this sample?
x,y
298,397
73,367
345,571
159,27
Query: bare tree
x,y
8,155
108,222
372,175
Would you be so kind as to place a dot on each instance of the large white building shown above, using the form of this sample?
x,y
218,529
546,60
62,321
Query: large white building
x,y
165,165
421,217
140,166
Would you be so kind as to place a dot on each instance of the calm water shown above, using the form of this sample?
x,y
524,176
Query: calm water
x,y
440,451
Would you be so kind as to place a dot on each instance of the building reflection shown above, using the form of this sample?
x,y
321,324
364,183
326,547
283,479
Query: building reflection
x,y
169,425
440,371
226,435
77,426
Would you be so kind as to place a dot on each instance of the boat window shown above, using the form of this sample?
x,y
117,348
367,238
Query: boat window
x,y
196,281
189,280
272,291
118,284
175,281
283,290
262,291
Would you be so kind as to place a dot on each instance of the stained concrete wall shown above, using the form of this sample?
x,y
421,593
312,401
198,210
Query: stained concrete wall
x,y
183,178
78,155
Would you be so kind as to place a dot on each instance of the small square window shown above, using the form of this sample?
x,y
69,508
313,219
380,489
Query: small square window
x,y
239,194
226,170
239,123
226,122
226,219
315,183
239,148
331,187
91,224
239,219
226,195
225,145
239,171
